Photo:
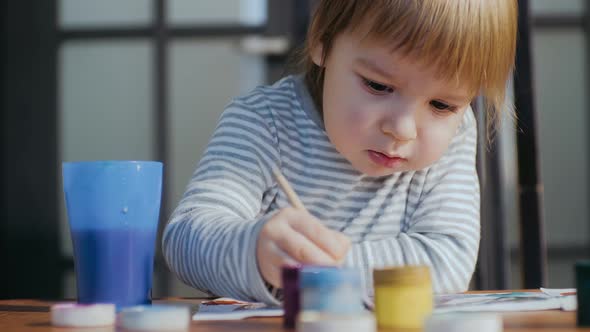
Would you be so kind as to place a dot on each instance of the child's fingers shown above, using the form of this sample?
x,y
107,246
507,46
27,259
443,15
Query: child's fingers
x,y
334,243
344,245
279,256
300,248
271,261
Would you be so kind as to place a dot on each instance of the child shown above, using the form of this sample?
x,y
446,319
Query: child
x,y
376,137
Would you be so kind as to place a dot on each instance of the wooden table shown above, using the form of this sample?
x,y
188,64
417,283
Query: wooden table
x,y
33,316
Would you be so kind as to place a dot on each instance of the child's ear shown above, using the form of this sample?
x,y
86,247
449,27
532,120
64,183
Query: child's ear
x,y
317,53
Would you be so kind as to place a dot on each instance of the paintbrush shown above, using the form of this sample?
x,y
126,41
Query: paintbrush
x,y
296,202
286,187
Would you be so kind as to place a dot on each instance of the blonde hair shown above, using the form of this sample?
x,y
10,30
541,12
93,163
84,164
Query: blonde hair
x,y
470,41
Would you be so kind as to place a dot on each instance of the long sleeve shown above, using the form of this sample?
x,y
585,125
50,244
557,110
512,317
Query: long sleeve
x,y
443,231
210,240
430,216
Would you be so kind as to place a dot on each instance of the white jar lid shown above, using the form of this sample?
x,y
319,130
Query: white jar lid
x,y
155,317
464,322
319,322
82,315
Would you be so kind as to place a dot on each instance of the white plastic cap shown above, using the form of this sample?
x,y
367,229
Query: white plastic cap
x,y
82,315
318,322
464,322
155,318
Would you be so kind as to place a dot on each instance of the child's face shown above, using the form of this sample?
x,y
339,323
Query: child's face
x,y
385,113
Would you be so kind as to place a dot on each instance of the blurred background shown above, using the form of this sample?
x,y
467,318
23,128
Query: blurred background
x,y
148,79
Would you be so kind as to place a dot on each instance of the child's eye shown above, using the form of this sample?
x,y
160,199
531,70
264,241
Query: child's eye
x,y
377,87
440,106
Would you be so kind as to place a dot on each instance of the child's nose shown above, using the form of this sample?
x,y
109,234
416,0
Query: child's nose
x,y
400,124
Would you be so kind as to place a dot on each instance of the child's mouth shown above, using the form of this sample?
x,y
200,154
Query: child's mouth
x,y
385,160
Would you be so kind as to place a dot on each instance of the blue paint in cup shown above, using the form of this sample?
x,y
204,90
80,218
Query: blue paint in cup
x,y
113,210
330,290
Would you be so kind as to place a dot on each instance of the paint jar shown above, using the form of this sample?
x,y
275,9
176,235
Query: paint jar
x,y
290,283
403,296
330,290
331,300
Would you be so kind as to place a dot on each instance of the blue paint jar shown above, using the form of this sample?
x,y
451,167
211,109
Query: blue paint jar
x,y
330,290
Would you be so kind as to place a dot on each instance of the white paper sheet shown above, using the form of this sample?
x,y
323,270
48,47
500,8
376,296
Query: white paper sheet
x,y
234,310
548,299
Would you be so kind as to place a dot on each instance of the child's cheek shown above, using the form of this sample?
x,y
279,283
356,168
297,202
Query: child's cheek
x,y
360,119
439,139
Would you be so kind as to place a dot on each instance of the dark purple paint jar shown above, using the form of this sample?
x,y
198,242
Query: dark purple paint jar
x,y
291,305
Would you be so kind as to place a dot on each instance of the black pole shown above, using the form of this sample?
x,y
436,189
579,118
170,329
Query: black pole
x,y
30,255
586,27
491,271
532,239
160,127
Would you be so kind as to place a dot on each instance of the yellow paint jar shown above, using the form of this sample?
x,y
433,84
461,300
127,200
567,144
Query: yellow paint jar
x,y
403,296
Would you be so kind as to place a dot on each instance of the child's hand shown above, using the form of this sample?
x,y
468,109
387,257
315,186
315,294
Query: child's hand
x,y
295,236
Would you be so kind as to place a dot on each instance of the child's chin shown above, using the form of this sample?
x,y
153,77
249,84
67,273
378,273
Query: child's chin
x,y
378,171
388,173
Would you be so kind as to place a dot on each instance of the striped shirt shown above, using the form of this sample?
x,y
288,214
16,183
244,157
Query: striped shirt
x,y
430,216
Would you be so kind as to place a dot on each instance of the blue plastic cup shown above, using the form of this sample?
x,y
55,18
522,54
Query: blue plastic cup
x,y
113,209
